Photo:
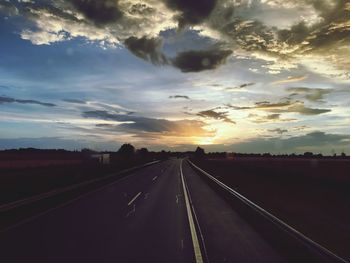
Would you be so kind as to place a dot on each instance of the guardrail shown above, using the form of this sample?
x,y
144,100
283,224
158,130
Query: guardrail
x,y
288,240
17,211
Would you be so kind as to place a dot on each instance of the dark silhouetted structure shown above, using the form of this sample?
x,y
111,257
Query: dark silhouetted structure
x,y
126,151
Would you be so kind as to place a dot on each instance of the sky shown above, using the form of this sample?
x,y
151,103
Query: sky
x,y
229,75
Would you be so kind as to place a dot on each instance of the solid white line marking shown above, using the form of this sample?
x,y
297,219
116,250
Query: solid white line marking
x,y
196,247
155,178
136,196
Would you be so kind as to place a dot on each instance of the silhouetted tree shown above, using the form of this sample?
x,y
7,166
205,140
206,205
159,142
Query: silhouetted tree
x,y
126,150
308,154
199,153
87,151
143,152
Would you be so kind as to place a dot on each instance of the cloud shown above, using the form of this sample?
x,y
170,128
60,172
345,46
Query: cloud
x,y
290,79
314,141
8,8
106,22
75,101
278,130
215,115
12,100
196,61
281,107
61,23
241,86
142,125
313,95
311,142
148,49
300,128
299,107
318,36
192,12
237,107
261,105
179,97
289,106
104,125
275,117
100,12
269,105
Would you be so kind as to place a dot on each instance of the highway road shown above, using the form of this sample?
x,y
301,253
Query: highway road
x,y
145,217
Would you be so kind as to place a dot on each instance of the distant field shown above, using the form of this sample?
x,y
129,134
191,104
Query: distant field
x,y
35,163
312,195
23,178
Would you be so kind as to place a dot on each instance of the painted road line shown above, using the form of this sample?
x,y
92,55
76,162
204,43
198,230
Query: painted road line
x,y
196,246
136,196
154,178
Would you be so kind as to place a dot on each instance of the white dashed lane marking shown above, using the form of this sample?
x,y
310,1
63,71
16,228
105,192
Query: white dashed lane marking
x,y
135,197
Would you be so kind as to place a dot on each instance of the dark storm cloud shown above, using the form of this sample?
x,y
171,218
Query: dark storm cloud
x,y
141,9
31,9
136,124
234,28
249,35
295,35
331,29
100,12
12,100
75,101
196,61
179,97
149,49
215,115
192,12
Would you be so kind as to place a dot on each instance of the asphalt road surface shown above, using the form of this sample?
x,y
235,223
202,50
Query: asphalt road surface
x,y
145,217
